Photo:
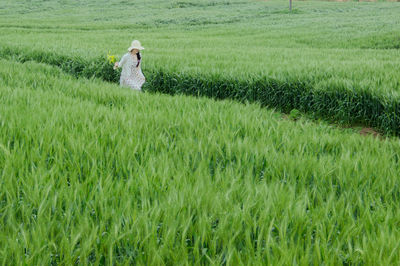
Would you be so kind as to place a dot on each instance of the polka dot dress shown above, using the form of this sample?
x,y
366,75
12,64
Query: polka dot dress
x,y
131,76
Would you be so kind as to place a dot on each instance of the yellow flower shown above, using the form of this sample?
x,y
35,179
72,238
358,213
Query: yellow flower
x,y
111,59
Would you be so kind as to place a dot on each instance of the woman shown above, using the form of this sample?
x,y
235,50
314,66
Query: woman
x,y
131,74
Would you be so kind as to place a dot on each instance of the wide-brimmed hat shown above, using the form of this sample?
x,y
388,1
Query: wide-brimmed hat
x,y
135,45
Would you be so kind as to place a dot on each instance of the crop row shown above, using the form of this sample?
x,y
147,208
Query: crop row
x,y
335,102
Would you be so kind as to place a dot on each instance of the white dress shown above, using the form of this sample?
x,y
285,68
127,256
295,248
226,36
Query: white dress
x,y
131,76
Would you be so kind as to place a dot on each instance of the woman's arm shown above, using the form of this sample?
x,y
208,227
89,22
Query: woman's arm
x,y
121,62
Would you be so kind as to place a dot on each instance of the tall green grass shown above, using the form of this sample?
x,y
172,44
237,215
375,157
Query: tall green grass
x,y
339,61
92,173
335,102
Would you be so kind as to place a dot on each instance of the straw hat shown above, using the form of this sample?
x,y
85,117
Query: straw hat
x,y
135,45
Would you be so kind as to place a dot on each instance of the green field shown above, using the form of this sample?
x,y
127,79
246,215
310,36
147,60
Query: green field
x,y
333,60
92,173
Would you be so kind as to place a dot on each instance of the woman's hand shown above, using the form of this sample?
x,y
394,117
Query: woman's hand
x,y
116,65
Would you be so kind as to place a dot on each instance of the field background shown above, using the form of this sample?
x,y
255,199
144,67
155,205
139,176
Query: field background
x,y
337,61
93,173
356,44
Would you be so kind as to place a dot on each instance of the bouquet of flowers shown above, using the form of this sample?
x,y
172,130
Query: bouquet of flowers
x,y
111,59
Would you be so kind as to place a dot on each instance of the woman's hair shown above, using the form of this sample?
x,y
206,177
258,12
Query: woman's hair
x,y
138,57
